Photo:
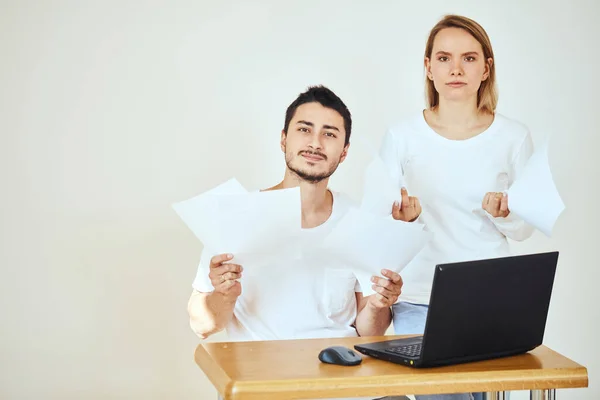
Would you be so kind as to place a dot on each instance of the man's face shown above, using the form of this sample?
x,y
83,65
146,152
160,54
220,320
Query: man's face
x,y
314,143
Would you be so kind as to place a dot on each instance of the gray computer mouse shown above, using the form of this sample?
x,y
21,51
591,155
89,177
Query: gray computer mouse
x,y
339,355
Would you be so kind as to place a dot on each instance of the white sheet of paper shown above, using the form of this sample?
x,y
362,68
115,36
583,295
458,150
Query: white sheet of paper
x,y
255,227
533,196
380,191
259,227
368,243
199,212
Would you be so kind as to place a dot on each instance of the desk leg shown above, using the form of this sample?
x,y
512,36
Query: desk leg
x,y
495,396
546,394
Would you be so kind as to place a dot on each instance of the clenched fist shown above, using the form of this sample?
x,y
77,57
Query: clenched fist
x,y
496,204
223,276
388,289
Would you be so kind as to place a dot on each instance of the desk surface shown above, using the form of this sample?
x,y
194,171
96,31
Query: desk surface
x,y
275,370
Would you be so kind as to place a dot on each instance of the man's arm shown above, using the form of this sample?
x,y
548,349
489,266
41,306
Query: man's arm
x,y
371,320
374,313
210,312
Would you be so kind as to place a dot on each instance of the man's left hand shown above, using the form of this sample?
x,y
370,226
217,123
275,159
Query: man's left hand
x,y
388,289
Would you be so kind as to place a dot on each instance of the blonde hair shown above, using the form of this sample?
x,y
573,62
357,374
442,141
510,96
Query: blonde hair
x,y
487,95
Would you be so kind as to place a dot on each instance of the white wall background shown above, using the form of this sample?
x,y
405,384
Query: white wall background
x,y
110,111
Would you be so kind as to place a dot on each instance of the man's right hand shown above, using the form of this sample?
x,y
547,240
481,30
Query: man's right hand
x,y
223,276
211,312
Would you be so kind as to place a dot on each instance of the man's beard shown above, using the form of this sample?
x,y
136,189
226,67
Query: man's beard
x,y
307,176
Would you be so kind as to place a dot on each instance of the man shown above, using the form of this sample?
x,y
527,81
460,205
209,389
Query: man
x,y
302,297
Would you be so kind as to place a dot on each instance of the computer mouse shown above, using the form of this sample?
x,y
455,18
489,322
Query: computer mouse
x,y
339,355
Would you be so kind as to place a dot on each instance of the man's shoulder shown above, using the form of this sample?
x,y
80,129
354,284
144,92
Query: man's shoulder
x,y
343,201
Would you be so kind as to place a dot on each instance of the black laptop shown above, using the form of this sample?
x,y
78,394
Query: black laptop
x,y
478,310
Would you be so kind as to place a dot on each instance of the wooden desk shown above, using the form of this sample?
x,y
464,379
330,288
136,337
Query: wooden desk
x,y
277,370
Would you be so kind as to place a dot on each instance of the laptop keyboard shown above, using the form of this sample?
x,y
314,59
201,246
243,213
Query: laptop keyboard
x,y
411,350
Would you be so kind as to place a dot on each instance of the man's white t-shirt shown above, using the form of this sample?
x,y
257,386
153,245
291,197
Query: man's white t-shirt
x,y
299,297
451,178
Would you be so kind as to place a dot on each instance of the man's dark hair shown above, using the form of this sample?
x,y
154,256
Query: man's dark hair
x,y
325,97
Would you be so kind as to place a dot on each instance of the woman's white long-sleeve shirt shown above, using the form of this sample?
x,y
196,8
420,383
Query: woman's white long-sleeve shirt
x,y
451,178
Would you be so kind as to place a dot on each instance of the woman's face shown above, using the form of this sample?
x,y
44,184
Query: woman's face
x,y
457,65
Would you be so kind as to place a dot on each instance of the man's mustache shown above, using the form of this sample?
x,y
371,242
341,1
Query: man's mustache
x,y
314,153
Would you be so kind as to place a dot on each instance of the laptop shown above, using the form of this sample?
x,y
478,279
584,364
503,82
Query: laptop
x,y
478,310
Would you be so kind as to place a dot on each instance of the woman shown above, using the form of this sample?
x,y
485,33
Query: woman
x,y
457,157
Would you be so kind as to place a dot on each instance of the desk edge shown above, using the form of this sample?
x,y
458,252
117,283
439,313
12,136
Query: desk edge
x,y
215,374
255,390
